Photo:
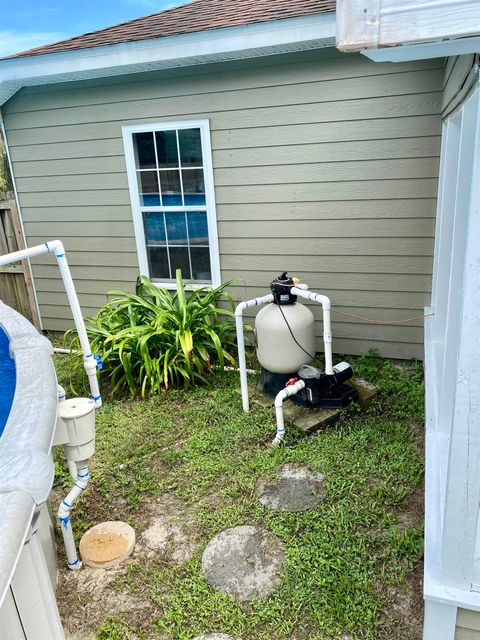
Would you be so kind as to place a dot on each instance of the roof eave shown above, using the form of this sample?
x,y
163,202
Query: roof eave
x,y
233,43
424,50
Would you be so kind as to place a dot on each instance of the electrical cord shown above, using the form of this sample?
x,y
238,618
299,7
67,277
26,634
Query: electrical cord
x,y
351,315
370,321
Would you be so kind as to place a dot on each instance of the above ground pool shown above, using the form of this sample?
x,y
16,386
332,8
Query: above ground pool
x,y
28,409
7,379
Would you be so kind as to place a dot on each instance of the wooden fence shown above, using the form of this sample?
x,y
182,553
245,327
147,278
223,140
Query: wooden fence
x,y
16,287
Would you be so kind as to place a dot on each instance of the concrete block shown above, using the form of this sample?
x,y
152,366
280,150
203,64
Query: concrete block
x,y
311,420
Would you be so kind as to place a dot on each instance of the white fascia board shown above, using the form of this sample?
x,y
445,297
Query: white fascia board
x,y
424,50
217,45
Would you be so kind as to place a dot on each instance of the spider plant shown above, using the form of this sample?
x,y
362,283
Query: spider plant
x,y
155,338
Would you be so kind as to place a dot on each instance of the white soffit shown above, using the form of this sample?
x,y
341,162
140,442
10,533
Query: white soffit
x,y
424,50
217,45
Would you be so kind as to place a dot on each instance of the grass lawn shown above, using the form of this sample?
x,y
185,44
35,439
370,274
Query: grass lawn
x,y
192,458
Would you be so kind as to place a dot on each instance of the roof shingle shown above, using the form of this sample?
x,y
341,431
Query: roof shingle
x,y
199,15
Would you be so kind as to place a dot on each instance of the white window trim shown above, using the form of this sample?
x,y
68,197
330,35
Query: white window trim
x,y
204,126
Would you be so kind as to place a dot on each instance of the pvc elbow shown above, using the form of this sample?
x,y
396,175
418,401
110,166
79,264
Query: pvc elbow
x,y
326,304
56,247
280,397
323,300
278,439
239,309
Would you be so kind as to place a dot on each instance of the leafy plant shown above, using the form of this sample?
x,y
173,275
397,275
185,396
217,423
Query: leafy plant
x,y
155,338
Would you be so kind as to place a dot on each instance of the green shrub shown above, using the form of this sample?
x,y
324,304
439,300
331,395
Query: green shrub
x,y
155,338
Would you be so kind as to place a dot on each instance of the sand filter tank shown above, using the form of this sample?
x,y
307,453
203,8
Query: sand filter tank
x,y
285,347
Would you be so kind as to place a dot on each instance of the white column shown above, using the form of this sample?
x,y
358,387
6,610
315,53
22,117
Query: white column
x,y
462,495
439,621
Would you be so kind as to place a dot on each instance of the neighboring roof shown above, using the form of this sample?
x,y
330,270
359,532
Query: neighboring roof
x,y
199,15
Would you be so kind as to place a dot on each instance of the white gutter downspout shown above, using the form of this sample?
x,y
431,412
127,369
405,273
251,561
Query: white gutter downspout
x,y
255,302
12,174
56,247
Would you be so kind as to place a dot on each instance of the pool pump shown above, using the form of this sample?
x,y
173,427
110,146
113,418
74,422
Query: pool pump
x,y
285,345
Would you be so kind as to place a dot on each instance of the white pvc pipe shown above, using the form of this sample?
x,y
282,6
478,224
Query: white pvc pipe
x,y
56,247
282,395
255,302
237,370
64,510
327,327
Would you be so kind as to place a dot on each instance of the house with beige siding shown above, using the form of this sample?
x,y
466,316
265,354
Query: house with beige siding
x,y
233,140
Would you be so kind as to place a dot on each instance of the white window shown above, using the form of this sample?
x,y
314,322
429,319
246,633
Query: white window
x,y
170,177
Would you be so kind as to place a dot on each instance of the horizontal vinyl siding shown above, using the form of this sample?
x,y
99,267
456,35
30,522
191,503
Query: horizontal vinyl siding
x,y
324,164
468,625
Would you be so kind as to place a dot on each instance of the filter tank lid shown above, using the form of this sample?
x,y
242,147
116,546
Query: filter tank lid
x,y
281,288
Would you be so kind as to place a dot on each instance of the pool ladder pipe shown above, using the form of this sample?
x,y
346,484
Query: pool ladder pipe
x,y
56,247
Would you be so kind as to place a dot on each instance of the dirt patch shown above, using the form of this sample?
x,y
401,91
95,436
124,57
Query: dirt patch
x,y
171,532
88,595
410,513
403,618
403,615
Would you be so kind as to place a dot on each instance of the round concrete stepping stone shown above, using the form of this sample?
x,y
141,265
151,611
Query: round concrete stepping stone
x,y
297,489
107,544
215,636
244,562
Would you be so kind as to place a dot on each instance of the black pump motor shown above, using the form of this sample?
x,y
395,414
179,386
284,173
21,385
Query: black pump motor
x,y
323,390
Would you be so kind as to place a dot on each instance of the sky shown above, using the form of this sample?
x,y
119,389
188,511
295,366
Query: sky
x,y
25,24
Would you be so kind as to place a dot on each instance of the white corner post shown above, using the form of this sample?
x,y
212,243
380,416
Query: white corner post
x,y
255,302
56,247
327,325
452,371
440,621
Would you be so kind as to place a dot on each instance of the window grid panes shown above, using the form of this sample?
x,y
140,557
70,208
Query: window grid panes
x,y
170,179
169,174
